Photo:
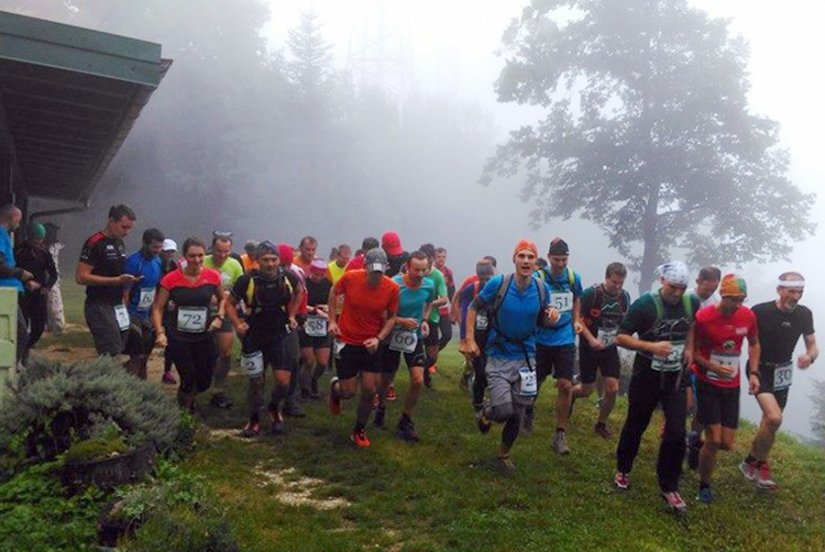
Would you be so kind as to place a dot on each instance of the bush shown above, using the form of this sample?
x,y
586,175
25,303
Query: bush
x,y
57,405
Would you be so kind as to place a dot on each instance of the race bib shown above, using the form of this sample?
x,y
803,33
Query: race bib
x,y
146,298
607,337
192,319
672,362
122,316
403,341
782,376
562,301
337,347
226,280
252,364
529,386
482,322
725,360
315,326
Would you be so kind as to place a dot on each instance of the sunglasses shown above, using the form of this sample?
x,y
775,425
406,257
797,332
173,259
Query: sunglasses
x,y
221,234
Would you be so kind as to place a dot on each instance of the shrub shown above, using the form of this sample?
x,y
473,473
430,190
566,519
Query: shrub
x,y
56,405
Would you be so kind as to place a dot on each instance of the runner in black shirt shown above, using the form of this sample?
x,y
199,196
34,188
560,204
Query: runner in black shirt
x,y
101,270
313,335
781,323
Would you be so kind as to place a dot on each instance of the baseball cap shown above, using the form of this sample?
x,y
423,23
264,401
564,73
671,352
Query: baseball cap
x,y
391,244
169,245
376,260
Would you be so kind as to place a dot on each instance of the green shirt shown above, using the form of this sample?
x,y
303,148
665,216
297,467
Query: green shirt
x,y
440,291
230,270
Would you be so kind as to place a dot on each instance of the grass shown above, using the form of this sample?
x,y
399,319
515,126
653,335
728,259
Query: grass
x,y
442,494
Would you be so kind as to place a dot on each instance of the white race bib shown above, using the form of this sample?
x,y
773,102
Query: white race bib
x,y
192,319
403,341
672,362
607,337
482,322
146,298
562,301
122,316
315,326
529,385
725,359
782,376
337,347
252,364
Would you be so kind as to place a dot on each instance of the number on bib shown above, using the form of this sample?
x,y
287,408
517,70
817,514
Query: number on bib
x,y
562,301
192,319
529,386
315,326
146,298
724,359
337,347
672,362
122,317
403,341
482,322
252,364
782,376
607,337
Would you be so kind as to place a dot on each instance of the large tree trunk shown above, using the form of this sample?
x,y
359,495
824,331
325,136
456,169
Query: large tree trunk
x,y
650,251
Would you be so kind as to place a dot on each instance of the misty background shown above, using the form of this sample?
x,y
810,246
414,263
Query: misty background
x,y
347,119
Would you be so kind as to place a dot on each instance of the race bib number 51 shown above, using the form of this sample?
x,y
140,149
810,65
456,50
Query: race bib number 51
x,y
562,301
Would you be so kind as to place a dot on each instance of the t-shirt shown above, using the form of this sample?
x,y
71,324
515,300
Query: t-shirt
x,y
449,280
106,256
440,289
249,264
269,299
516,322
334,272
465,298
230,270
779,331
602,311
365,307
562,295
396,263
712,300
190,318
298,261
719,338
412,301
641,319
142,293
317,292
7,252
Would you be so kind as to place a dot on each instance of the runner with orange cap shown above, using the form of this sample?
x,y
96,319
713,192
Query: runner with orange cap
x,y
517,306
717,347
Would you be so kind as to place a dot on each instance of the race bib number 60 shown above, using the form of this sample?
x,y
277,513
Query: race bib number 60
x,y
403,341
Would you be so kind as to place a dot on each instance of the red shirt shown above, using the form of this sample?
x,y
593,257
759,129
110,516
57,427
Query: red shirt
x,y
720,337
365,307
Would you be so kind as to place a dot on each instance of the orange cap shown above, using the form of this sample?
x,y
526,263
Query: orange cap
x,y
526,244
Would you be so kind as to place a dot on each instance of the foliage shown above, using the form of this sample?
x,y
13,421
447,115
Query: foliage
x,y
35,514
56,405
647,132
174,512
95,449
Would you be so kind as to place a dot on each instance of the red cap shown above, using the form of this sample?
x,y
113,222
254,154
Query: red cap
x,y
285,252
391,243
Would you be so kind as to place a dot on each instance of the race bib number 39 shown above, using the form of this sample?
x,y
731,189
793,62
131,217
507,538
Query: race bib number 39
x,y
782,376
562,301
192,319
403,341
315,326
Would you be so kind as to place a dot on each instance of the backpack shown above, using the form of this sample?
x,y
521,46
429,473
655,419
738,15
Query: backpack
x,y
252,299
660,307
571,276
501,292
595,311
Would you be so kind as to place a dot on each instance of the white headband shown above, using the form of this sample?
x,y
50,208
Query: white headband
x,y
676,272
795,284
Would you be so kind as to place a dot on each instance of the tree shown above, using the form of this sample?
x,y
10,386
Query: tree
x,y
647,133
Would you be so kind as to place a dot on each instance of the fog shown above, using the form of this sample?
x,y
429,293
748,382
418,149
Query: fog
x,y
394,133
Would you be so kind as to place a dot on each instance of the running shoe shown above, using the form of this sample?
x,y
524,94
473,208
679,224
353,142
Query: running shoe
x,y
251,430
391,394
334,401
764,479
674,503
504,465
694,446
276,420
622,481
406,431
705,495
749,470
527,421
560,443
220,400
169,378
484,424
380,413
602,430
359,437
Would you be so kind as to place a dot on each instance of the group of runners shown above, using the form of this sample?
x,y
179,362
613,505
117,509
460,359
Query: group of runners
x,y
299,314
